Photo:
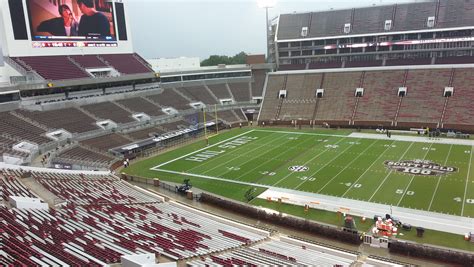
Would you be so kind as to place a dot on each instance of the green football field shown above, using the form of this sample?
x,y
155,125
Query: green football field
x,y
425,176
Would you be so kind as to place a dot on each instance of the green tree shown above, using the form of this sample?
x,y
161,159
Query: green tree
x,y
215,60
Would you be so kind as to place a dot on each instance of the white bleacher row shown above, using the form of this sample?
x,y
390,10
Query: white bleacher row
x,y
123,229
10,186
86,191
284,252
99,234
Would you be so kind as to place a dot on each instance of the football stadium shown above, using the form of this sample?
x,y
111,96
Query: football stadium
x,y
346,143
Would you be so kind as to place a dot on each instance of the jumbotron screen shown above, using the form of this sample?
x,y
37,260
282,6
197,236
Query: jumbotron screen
x,y
72,23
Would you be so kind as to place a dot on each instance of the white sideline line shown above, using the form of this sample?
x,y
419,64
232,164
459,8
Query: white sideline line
x,y
390,172
370,167
467,181
439,179
448,223
199,150
303,133
416,139
431,220
376,136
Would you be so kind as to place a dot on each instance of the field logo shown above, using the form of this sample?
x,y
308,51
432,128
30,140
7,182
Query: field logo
x,y
298,168
419,167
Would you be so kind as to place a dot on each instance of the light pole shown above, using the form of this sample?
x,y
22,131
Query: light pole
x,y
267,4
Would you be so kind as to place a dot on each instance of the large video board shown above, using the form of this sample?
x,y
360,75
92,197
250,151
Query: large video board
x,y
72,23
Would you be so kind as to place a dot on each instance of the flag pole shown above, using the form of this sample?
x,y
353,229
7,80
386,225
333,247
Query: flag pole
x,y
215,113
205,126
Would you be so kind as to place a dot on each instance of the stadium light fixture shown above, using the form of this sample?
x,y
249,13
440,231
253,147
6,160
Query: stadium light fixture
x,y
267,4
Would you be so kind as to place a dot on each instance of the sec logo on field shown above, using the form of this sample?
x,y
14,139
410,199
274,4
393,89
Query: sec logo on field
x,y
298,168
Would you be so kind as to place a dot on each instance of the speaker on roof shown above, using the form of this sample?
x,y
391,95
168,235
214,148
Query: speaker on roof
x,y
17,15
121,24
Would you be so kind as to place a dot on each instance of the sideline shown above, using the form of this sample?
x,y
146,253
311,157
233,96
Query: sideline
x,y
416,139
427,219
199,150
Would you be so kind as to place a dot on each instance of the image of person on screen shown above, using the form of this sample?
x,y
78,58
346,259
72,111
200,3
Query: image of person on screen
x,y
66,25
93,23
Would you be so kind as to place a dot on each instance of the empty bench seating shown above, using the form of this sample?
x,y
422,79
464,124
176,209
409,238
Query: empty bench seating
x,y
145,133
78,153
424,101
198,93
11,186
274,85
339,99
380,101
127,63
240,91
460,109
220,91
177,125
89,61
70,119
231,116
169,98
17,128
288,252
138,104
109,110
258,82
91,189
52,67
106,142
105,218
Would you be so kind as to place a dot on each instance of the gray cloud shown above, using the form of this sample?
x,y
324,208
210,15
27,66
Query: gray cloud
x,y
192,28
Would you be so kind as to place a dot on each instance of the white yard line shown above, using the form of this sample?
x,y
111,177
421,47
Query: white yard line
x,y
390,172
467,182
413,177
370,167
252,158
288,175
347,166
199,150
249,171
439,179
236,156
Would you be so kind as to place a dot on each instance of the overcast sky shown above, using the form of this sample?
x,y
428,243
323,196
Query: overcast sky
x,y
192,28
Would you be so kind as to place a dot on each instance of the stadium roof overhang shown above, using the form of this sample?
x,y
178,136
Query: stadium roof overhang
x,y
88,81
369,34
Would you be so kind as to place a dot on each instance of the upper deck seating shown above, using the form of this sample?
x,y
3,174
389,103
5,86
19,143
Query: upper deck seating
x,y
52,67
89,61
127,63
